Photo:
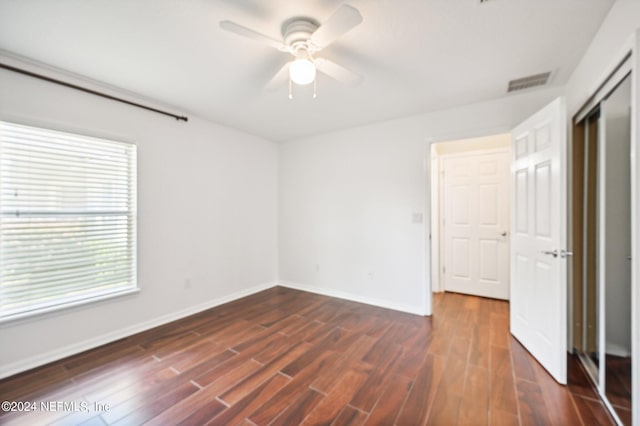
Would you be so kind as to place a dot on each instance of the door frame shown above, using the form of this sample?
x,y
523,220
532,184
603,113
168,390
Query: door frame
x,y
428,205
635,227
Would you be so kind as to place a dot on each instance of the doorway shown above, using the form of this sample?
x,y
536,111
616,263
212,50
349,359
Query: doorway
x,y
537,234
470,216
601,270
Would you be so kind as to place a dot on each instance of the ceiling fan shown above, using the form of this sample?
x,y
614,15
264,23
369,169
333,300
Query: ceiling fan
x,y
303,38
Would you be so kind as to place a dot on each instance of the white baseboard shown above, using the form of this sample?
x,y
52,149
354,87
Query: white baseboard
x,y
354,297
617,350
51,356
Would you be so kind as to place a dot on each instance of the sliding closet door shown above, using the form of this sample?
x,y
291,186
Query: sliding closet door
x,y
615,254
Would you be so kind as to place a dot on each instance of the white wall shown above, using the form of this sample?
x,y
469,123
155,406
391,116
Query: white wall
x,y
347,201
604,52
207,211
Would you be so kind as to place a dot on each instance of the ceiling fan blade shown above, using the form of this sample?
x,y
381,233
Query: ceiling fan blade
x,y
232,27
342,20
338,72
280,78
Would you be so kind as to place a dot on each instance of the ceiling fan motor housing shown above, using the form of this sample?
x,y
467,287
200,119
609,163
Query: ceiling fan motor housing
x,y
297,34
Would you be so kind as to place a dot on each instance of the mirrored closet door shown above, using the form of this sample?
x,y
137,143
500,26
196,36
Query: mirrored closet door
x,y
601,235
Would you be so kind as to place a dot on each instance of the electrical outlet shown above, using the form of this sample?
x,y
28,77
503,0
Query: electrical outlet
x,y
370,275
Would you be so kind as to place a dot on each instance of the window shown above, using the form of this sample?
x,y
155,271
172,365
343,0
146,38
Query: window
x,y
67,219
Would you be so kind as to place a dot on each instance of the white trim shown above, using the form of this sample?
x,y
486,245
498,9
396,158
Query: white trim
x,y
616,350
469,134
434,218
635,230
564,208
427,285
440,208
616,59
612,411
59,126
67,305
609,85
57,354
601,244
354,297
477,152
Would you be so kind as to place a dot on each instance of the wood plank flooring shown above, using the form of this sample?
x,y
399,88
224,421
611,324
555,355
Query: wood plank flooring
x,y
285,357
618,385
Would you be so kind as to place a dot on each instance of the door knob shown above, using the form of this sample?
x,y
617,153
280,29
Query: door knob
x,y
553,252
504,234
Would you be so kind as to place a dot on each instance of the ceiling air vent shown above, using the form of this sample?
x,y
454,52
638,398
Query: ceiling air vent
x,y
529,82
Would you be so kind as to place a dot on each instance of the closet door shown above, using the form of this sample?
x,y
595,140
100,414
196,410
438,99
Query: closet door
x,y
615,249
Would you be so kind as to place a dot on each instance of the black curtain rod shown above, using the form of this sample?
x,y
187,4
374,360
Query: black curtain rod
x,y
93,92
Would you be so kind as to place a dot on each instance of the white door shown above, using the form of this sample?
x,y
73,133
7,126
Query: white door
x,y
538,237
476,223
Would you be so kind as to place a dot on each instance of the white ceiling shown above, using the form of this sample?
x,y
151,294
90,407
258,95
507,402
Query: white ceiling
x,y
416,55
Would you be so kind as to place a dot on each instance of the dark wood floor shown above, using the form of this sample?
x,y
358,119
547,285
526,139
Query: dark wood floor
x,y
618,385
286,357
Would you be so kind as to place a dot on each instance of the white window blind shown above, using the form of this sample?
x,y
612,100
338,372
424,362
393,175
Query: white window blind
x,y
67,219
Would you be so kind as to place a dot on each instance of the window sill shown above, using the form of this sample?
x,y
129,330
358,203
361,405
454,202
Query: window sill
x,y
64,306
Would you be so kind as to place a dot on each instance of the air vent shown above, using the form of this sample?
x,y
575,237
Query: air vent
x,y
529,82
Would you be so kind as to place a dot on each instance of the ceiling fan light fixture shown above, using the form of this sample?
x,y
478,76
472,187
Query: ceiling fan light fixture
x,y
302,71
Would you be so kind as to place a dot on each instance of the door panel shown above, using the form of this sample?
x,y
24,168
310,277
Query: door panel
x,y
538,277
460,264
488,213
521,202
489,261
542,200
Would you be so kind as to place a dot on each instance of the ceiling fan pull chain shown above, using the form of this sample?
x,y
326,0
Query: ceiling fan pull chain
x,y
315,85
290,91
